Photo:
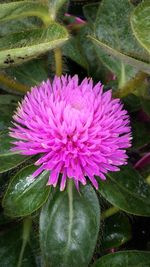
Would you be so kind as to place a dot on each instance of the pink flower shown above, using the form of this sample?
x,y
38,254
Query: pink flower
x,y
78,131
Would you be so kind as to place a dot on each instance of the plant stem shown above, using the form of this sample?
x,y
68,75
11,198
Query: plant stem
x,y
132,85
148,180
58,61
109,212
11,83
122,80
27,222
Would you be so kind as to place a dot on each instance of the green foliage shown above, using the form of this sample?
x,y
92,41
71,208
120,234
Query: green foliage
x,y
118,41
19,47
26,194
69,226
140,132
8,159
55,6
140,21
125,259
116,232
7,106
10,247
127,190
122,71
30,73
111,46
21,9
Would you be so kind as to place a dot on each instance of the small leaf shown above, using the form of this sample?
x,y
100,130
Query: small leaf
x,y
140,21
26,194
124,259
69,226
117,231
20,47
21,9
8,159
127,190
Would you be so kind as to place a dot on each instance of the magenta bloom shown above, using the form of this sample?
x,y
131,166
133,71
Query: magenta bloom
x,y
77,130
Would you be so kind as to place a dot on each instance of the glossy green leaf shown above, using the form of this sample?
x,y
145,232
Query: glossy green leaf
x,y
127,190
8,159
21,9
10,247
125,259
26,194
113,34
69,226
116,232
140,21
19,47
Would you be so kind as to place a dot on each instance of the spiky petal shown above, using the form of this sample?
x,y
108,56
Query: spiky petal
x,y
78,131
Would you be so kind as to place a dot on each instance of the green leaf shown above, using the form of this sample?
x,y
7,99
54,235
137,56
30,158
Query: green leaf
x,y
73,50
10,246
117,231
7,105
21,9
90,12
19,47
125,259
30,73
69,226
55,6
114,35
140,22
26,194
8,159
19,25
127,190
123,71
140,133
95,67
132,103
9,100
146,105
